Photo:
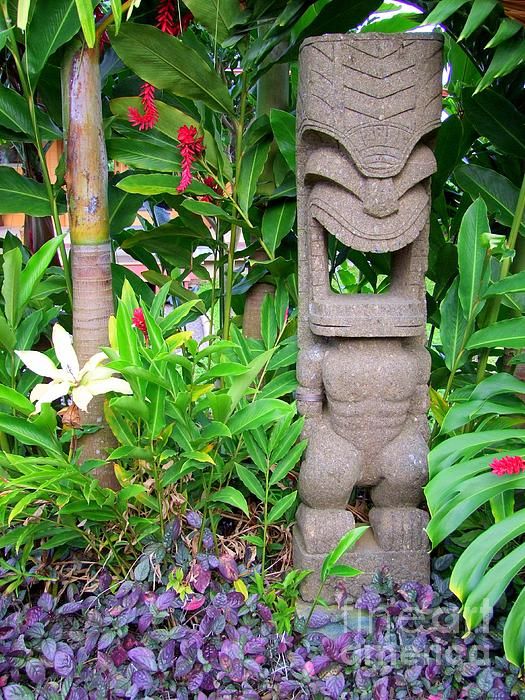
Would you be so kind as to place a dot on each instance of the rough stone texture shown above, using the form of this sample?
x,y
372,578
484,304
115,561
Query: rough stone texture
x,y
368,106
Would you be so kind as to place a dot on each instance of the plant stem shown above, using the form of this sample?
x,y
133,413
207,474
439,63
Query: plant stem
x,y
265,517
104,24
239,130
495,302
312,607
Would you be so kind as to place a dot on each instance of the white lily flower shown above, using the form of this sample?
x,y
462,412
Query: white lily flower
x,y
83,384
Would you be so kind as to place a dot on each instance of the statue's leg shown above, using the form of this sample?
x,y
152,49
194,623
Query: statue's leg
x,y
327,477
397,521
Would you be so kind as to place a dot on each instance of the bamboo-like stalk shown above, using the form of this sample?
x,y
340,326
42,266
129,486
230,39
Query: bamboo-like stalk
x,y
86,180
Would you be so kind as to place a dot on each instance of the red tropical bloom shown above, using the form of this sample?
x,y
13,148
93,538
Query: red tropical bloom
x,y
138,321
508,465
191,147
210,182
167,22
150,115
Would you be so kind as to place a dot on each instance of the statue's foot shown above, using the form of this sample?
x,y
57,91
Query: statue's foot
x,y
400,529
321,530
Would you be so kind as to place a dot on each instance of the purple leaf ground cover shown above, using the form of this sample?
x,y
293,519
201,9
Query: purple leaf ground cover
x,y
131,640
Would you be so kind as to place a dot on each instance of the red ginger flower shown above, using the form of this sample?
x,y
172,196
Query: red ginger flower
x,y
150,117
166,22
190,146
508,465
210,182
138,321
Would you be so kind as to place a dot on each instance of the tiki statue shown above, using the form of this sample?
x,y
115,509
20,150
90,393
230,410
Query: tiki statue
x,y
368,107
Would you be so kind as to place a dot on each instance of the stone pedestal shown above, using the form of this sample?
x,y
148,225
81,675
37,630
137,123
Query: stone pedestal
x,y
368,106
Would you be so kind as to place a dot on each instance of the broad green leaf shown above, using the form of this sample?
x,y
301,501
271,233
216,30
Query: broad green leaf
x,y
281,507
7,337
123,208
36,268
453,327
495,117
492,586
167,63
514,284
156,183
345,543
462,413
29,434
499,193
472,254
252,166
204,208
343,570
514,632
507,57
231,497
280,385
503,334
465,446
138,153
260,412
54,22
284,436
87,20
500,383
251,482
283,127
119,426
268,322
12,269
20,194
217,16
479,11
178,316
223,369
443,10
15,115
14,399
474,561
278,220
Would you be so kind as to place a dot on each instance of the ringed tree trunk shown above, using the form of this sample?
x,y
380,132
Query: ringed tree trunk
x,y
87,186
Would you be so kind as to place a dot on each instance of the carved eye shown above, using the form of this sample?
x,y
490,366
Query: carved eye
x,y
420,165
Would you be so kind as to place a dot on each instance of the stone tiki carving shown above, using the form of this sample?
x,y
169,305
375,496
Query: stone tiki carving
x,y
368,105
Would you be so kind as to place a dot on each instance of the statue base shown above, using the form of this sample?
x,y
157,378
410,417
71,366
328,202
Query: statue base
x,y
367,556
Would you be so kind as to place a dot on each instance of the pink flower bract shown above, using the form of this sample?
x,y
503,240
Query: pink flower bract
x,y
190,146
508,465
138,321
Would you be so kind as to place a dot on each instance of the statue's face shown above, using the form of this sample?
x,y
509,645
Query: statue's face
x,y
369,213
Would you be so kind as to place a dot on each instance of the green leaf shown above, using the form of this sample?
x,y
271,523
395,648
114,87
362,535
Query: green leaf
x,y
465,446
462,413
217,16
87,20
268,322
260,412
139,153
7,337
148,185
22,14
472,254
499,193
54,22
344,571
284,467
251,482
167,63
223,369
14,399
507,57
204,208
280,385
36,268
514,284
443,10
278,220
12,269
453,327
496,118
283,127
20,194
123,208
240,384
116,8
500,383
252,166
503,334
345,543
15,115
479,11
514,632
337,16
232,497
281,507
506,30
29,434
